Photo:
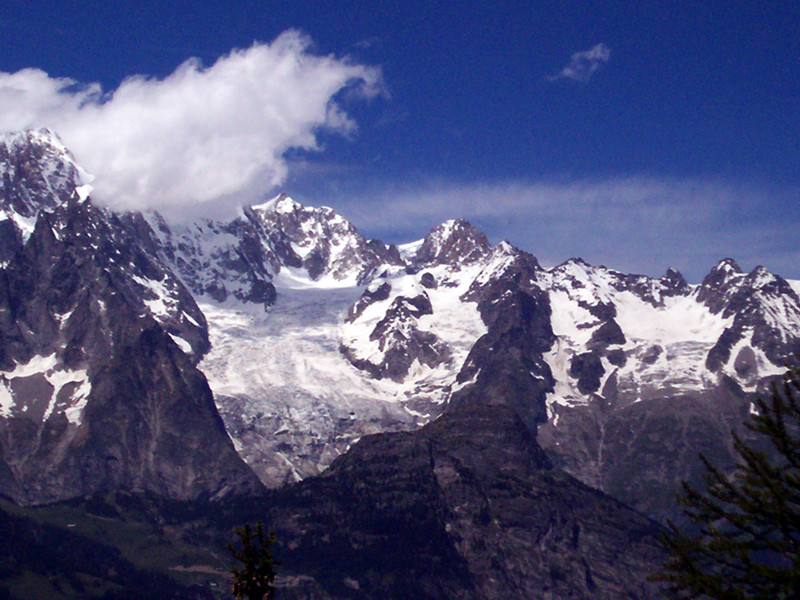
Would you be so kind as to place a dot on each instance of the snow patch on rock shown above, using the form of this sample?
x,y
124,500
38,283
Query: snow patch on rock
x,y
43,383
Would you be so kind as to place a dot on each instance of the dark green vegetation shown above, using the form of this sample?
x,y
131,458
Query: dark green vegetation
x,y
41,560
253,578
747,539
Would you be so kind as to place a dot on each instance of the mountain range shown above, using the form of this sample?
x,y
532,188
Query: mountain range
x,y
518,427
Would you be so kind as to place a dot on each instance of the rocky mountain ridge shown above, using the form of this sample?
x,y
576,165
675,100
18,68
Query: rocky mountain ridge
x,y
446,408
98,347
441,513
312,336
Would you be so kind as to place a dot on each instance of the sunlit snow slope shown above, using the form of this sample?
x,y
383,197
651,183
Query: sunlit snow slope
x,y
290,399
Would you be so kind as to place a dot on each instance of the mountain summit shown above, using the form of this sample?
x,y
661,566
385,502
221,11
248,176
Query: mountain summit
x,y
312,336
98,347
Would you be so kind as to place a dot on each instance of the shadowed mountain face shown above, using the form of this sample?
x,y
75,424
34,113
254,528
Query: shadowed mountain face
x,y
43,561
467,507
99,389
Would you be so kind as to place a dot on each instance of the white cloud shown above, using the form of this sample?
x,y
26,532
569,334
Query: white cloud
x,y
212,136
583,65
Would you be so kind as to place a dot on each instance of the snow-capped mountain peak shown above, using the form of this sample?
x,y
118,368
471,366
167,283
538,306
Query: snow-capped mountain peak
x,y
674,281
456,241
760,278
37,172
727,265
725,275
282,203
318,241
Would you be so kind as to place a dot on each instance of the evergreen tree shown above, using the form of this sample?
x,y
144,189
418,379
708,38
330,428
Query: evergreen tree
x,y
253,579
747,543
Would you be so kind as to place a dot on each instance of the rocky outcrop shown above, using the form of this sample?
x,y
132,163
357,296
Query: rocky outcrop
x,y
377,291
454,242
100,391
506,365
467,507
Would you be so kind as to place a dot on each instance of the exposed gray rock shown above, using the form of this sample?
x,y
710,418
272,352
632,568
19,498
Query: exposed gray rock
x,y
466,508
608,334
103,395
506,365
453,242
377,292
640,453
427,280
587,369
401,341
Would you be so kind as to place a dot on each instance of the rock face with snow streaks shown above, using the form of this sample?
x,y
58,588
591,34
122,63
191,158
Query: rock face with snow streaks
x,y
403,337
765,313
36,172
312,336
505,366
217,260
400,342
319,241
98,384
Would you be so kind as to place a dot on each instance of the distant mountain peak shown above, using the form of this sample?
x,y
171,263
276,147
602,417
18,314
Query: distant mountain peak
x,y
23,137
760,277
672,273
576,261
37,173
282,203
39,146
674,281
455,241
727,265
318,240
506,247
726,273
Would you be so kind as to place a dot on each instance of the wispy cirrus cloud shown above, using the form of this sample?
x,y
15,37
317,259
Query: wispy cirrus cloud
x,y
213,136
634,224
583,65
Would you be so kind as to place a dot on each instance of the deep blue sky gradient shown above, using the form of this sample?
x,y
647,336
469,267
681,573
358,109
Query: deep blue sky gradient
x,y
704,91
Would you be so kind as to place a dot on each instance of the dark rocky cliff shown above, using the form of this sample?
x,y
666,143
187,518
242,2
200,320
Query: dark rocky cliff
x,y
468,507
98,345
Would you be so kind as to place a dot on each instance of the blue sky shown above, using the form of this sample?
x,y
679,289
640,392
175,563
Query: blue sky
x,y
639,135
